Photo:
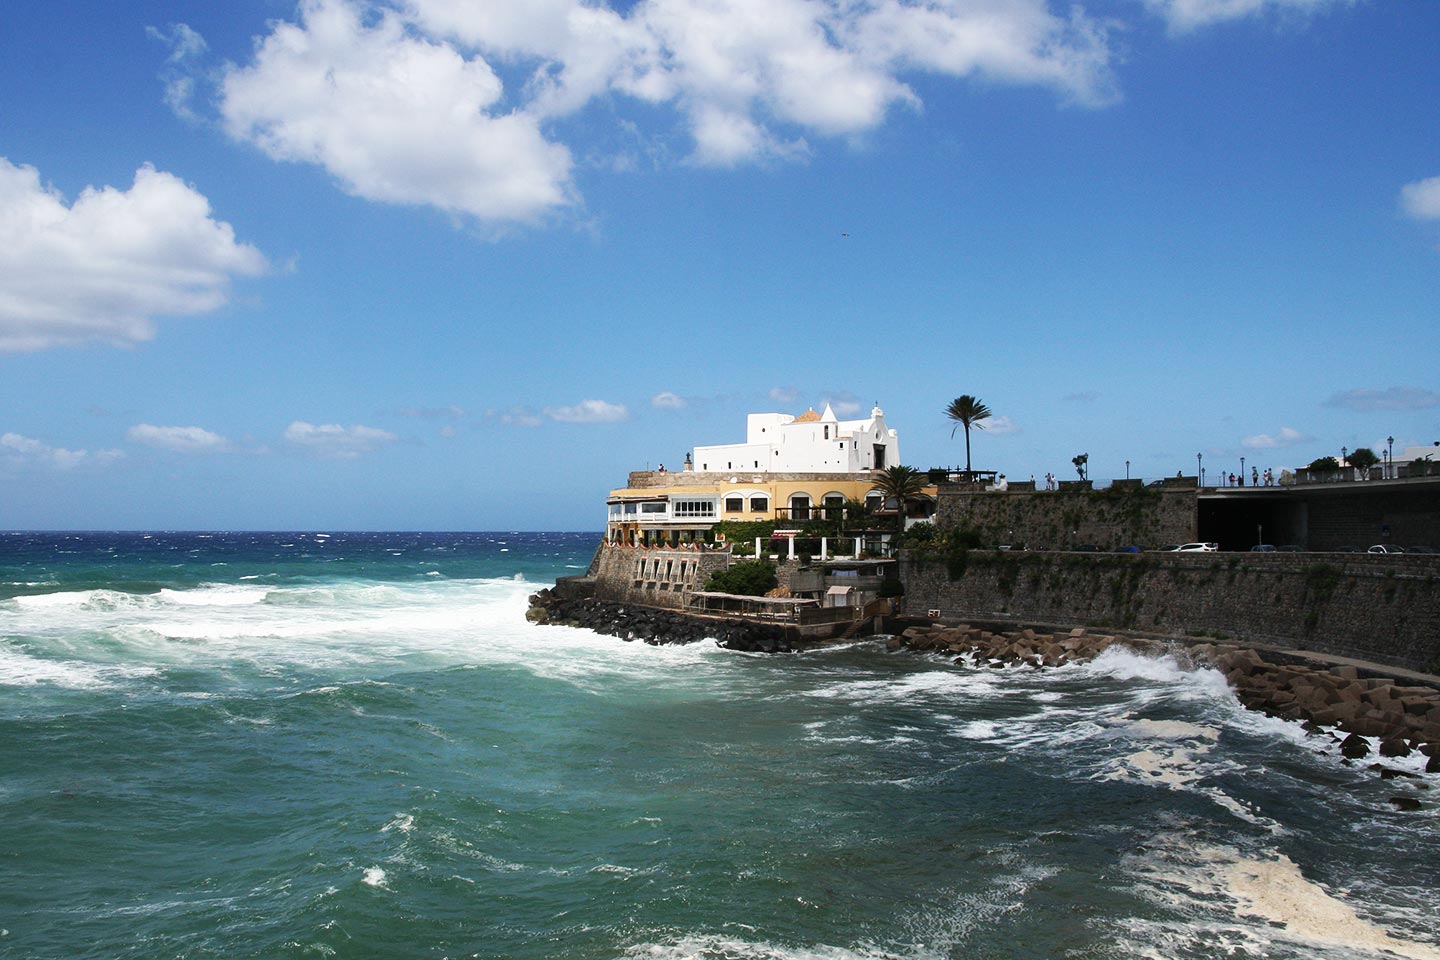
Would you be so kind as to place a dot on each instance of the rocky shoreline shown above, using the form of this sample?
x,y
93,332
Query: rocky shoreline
x,y
1345,703
1402,718
654,625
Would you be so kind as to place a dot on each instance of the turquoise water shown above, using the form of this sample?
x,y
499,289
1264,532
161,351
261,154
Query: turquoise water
x,y
353,745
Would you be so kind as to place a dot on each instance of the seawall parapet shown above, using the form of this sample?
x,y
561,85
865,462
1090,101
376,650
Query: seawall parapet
x,y
1384,609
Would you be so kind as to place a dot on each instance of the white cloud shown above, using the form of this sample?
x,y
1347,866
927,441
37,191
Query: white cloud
x,y
106,266
784,394
393,116
403,101
178,439
337,442
186,49
21,449
589,411
1421,199
1185,15
666,400
1287,437
1391,398
515,417
999,426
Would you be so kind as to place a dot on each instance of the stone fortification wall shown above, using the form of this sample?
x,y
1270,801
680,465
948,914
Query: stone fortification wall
x,y
657,577
1380,608
653,479
1056,519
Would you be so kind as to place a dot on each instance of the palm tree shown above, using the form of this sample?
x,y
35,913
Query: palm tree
x,y
901,484
967,411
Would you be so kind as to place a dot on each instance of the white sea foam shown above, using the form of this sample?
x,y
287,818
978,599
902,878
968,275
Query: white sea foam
x,y
716,947
1267,900
374,877
19,669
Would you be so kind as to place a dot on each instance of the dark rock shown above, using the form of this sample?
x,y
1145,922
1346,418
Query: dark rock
x,y
1390,773
1394,747
1404,803
1354,747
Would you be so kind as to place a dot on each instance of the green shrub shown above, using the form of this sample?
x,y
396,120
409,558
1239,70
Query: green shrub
x,y
751,578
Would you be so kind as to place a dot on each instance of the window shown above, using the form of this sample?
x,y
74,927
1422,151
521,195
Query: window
x,y
630,508
759,504
827,433
734,504
799,507
694,508
652,508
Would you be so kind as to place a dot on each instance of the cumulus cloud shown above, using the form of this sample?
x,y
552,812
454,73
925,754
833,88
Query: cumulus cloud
x,y
1421,200
336,442
589,411
104,267
1391,398
393,116
26,450
445,102
665,400
1287,437
1185,15
178,439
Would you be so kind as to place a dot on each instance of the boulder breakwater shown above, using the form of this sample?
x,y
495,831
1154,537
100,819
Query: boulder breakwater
x,y
1330,699
654,625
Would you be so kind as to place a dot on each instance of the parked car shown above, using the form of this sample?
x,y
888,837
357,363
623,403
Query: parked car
x,y
1421,550
1290,548
1348,550
1086,548
1168,548
1263,548
1385,548
1128,548
1198,547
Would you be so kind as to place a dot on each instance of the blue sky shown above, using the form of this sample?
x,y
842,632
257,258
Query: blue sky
x,y
452,265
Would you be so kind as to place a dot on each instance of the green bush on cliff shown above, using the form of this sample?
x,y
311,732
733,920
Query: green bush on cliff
x,y
751,578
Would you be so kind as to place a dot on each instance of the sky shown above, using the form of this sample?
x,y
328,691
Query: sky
x,y
450,265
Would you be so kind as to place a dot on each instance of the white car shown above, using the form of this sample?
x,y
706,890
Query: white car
x,y
1385,548
1197,548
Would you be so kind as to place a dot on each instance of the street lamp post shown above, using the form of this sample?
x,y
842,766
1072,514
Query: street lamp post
x,y
1127,469
1242,471
1390,458
1199,470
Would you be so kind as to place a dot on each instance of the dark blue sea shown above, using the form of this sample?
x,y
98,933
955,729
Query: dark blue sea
x,y
328,744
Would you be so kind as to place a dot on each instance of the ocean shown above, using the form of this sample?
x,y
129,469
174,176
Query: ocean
x,y
329,744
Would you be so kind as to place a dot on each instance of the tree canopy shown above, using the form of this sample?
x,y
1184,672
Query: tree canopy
x,y
967,412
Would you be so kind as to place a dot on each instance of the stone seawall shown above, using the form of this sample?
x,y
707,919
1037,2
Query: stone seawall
x,y
656,577
1056,519
1384,609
